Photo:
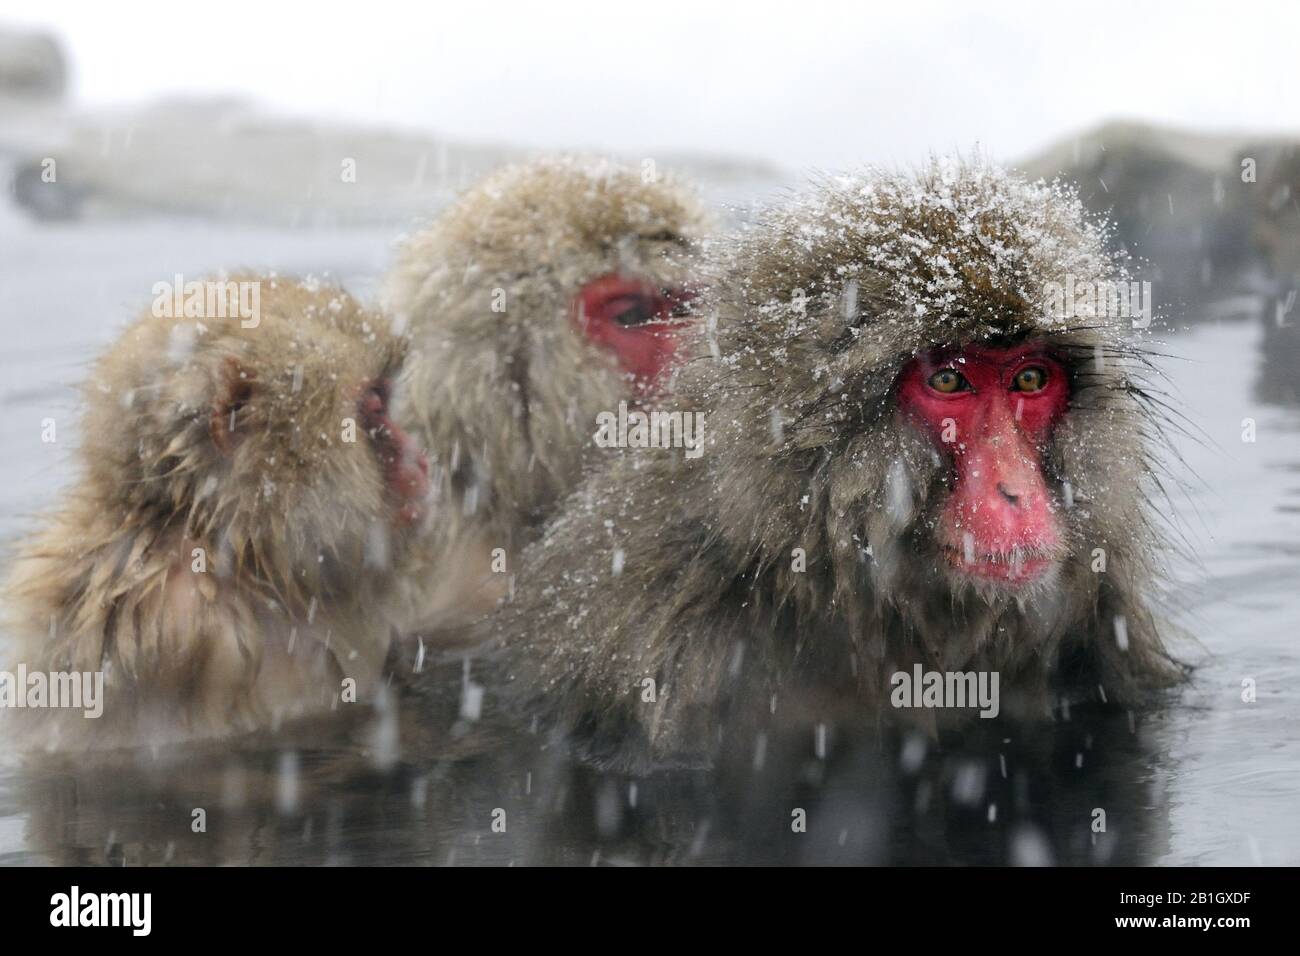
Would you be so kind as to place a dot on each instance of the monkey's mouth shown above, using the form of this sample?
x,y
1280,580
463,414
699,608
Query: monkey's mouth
x,y
1016,566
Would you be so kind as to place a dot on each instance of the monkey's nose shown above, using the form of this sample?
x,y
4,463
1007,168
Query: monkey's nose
x,y
1011,498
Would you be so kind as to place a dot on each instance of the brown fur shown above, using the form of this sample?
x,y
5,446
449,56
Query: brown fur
x,y
806,449
293,521
504,402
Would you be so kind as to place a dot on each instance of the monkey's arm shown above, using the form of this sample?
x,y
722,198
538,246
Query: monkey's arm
x,y
619,633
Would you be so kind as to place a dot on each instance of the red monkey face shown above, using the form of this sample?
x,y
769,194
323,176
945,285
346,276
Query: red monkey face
x,y
635,320
406,471
991,411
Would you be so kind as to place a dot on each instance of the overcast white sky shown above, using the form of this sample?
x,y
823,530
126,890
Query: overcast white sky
x,y
825,84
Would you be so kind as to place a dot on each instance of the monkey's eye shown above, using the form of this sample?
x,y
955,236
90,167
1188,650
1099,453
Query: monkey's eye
x,y
1031,379
679,302
634,311
949,380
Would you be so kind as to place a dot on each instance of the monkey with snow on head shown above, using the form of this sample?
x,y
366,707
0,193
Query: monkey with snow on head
x,y
912,463
546,295
225,555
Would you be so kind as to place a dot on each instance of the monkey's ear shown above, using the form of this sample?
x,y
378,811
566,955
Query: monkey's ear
x,y
234,390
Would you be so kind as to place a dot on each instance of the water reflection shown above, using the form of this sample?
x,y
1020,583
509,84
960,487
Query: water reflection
x,y
1076,791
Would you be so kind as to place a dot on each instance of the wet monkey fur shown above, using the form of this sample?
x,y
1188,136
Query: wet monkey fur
x,y
547,294
911,461
226,553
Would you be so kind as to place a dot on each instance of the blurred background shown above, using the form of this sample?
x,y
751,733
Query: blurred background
x,y
141,140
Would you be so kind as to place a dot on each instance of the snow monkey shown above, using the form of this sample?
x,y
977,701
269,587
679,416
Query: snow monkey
x,y
243,500
922,456
545,296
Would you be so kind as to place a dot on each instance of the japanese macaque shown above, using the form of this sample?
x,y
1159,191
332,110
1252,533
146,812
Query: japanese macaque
x,y
546,295
244,499
921,455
